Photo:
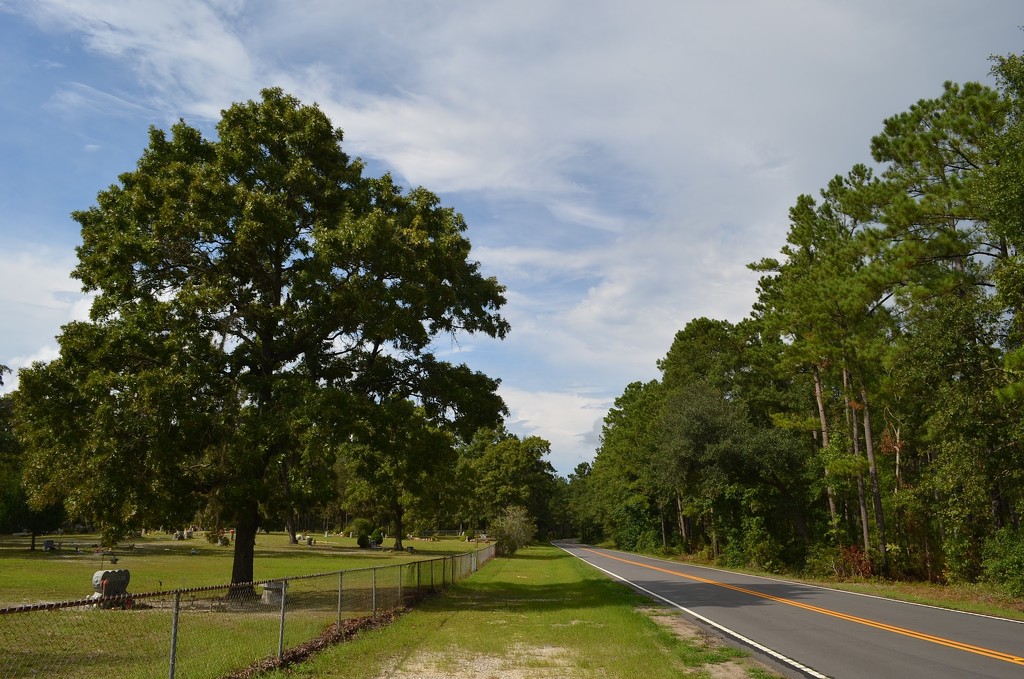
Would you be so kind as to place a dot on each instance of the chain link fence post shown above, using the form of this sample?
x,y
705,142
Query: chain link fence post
x,y
280,636
174,633
341,582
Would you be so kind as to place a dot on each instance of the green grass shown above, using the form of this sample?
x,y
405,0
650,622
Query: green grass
x,y
216,634
541,613
158,563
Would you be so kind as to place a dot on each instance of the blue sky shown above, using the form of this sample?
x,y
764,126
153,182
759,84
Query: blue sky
x,y
618,163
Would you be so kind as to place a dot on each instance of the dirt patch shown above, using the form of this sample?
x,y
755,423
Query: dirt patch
x,y
331,635
680,627
522,662
687,631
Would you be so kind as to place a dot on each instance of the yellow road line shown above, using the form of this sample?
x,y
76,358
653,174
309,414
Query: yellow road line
x,y
998,655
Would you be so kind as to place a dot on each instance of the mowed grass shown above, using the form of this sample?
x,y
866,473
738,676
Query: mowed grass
x,y
540,613
158,563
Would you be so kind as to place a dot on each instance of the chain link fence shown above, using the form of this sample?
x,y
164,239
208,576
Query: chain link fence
x,y
210,631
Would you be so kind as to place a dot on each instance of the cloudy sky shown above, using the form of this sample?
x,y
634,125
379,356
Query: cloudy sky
x,y
618,163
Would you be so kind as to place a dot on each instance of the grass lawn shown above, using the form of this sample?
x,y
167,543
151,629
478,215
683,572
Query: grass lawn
x,y
159,563
540,613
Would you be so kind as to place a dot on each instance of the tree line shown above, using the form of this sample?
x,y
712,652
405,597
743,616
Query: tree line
x,y
866,417
261,351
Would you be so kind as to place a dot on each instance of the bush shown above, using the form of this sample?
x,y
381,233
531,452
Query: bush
x,y
512,529
363,540
1003,561
377,536
360,527
823,561
648,543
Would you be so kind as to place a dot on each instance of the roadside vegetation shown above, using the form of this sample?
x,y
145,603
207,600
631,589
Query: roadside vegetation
x,y
864,423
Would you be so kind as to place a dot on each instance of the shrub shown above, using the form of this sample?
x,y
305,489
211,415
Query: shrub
x,y
360,527
363,540
377,536
648,542
823,561
1003,561
512,529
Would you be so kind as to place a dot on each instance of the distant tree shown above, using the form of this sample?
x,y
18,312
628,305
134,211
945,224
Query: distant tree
x,y
11,494
254,295
16,513
404,458
626,490
502,470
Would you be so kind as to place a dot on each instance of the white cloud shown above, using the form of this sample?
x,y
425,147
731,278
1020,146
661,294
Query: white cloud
x,y
184,53
565,419
43,354
75,98
623,161
37,296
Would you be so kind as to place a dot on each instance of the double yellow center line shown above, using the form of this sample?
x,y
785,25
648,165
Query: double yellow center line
x,y
989,653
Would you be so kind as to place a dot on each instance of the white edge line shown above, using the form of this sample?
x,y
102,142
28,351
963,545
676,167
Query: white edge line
x,y
764,649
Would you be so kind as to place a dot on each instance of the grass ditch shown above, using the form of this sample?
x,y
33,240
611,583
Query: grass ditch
x,y
541,613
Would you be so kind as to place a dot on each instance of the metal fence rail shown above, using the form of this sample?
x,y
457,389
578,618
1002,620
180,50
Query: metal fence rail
x,y
209,631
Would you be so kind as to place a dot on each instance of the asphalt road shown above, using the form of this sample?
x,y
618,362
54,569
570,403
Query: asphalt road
x,y
817,632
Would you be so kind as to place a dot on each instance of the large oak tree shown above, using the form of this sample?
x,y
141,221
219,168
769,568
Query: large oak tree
x,y
255,296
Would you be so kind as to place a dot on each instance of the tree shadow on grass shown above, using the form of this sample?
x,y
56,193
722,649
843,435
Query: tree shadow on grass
x,y
504,597
534,556
594,590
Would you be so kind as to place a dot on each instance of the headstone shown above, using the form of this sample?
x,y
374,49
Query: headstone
x,y
111,583
272,592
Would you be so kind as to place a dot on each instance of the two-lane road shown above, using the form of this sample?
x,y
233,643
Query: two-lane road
x,y
822,632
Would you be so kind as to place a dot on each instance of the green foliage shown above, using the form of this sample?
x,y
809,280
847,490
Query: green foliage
x,y
513,529
866,419
627,477
1004,561
500,470
633,524
402,462
648,542
753,546
257,302
360,527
